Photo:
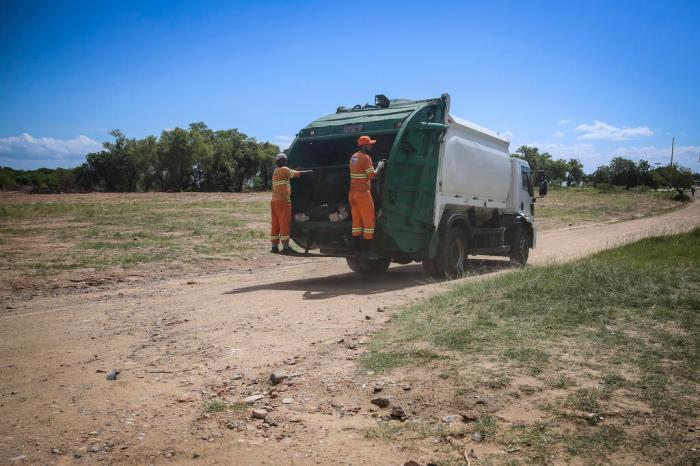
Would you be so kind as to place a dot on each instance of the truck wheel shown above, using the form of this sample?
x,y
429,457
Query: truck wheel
x,y
451,261
365,266
520,249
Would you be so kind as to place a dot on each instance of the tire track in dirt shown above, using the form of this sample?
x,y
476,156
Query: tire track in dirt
x,y
220,337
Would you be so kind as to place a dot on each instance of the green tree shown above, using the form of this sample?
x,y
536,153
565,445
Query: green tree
x,y
145,153
674,177
268,152
114,168
556,169
533,157
644,172
623,172
175,160
601,175
575,174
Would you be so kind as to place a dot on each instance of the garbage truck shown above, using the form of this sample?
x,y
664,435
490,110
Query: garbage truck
x,y
449,188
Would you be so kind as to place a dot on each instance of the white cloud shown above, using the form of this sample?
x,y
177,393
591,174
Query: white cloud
x,y
25,150
27,145
558,135
601,130
567,151
508,135
283,141
564,122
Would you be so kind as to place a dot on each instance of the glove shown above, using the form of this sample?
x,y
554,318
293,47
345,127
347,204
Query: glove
x,y
380,165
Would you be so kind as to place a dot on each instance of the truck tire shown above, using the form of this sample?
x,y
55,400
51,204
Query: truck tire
x,y
430,269
451,259
520,249
365,266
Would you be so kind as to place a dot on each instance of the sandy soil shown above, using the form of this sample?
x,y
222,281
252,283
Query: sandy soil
x,y
182,342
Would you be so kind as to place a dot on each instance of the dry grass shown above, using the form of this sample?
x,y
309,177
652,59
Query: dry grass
x,y
42,236
53,240
578,206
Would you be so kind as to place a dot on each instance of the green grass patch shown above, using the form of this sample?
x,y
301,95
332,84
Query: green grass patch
x,y
486,426
214,406
635,307
382,361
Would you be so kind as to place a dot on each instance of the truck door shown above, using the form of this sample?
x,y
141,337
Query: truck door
x,y
527,192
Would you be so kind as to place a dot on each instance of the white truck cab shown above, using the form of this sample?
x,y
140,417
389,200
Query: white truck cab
x,y
484,192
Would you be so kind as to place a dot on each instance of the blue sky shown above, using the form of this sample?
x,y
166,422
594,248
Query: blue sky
x,y
578,79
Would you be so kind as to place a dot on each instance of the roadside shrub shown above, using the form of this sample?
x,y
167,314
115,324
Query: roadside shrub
x,y
680,197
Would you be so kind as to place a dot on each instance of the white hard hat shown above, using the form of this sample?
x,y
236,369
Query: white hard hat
x,y
281,156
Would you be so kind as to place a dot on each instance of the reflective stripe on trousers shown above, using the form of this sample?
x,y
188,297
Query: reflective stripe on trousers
x,y
362,211
281,221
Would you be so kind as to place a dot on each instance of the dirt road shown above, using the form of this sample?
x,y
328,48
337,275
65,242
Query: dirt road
x,y
180,344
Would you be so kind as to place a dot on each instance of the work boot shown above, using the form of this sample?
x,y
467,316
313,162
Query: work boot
x,y
274,249
367,252
287,249
357,245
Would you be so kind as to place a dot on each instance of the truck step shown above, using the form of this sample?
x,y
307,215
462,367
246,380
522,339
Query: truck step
x,y
489,231
495,251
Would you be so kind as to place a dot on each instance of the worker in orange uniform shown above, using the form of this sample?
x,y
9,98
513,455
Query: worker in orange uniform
x,y
282,204
362,207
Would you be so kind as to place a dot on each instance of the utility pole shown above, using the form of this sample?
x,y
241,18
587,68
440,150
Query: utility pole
x,y
673,143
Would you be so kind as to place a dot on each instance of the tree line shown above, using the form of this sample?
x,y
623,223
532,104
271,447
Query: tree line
x,y
200,159
181,159
619,172
555,171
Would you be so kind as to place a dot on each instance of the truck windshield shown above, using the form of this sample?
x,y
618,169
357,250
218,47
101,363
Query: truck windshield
x,y
527,180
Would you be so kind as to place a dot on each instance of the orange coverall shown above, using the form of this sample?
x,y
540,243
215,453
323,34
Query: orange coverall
x,y
361,204
282,204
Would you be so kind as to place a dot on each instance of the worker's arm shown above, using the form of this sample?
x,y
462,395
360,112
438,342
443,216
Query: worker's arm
x,y
297,173
369,169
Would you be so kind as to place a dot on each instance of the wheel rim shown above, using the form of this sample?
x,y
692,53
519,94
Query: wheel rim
x,y
456,256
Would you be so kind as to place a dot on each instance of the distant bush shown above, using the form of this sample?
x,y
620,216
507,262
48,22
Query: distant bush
x,y
607,188
42,180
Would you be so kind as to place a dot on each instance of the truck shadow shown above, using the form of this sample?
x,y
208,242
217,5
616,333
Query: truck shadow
x,y
397,278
